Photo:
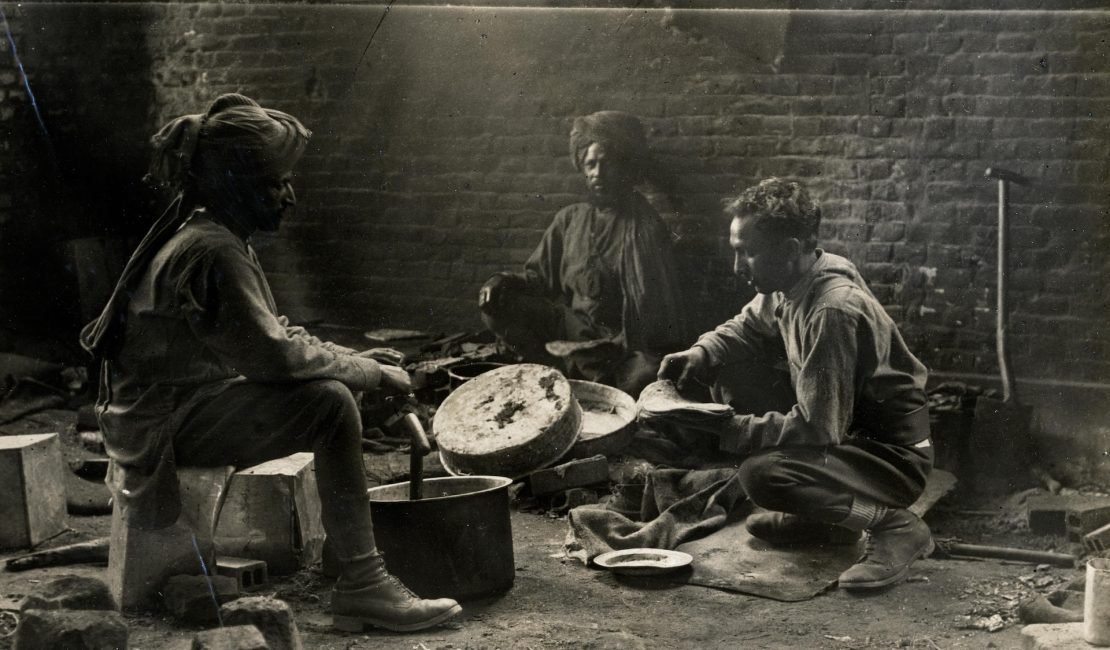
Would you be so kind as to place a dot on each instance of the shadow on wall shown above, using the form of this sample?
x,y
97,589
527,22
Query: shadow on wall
x,y
75,185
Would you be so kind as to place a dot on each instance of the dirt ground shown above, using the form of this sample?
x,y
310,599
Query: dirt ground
x,y
557,603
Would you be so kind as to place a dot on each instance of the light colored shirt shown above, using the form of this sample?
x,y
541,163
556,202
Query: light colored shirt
x,y
844,352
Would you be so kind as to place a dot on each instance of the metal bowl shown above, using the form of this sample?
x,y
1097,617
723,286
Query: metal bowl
x,y
608,419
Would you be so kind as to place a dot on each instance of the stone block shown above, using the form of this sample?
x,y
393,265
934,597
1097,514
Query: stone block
x,y
32,489
250,574
1097,540
73,630
576,473
141,561
70,592
238,637
1083,519
272,513
1048,514
272,617
1053,636
197,599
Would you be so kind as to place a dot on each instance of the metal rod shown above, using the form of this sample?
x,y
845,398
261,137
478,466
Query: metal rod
x,y
1007,553
1003,290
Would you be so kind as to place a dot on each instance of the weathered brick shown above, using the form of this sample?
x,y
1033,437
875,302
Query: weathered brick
x,y
880,107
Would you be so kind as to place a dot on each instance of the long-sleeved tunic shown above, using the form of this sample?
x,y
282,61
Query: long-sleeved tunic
x,y
615,274
848,362
201,318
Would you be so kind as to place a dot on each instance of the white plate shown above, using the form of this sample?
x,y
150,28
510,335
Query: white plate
x,y
643,561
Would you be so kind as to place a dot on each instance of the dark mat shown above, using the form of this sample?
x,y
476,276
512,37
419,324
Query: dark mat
x,y
731,559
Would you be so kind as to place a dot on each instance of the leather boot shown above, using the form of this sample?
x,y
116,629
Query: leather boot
x,y
368,594
784,529
896,538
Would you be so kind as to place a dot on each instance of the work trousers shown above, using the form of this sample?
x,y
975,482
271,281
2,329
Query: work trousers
x,y
250,423
821,482
525,323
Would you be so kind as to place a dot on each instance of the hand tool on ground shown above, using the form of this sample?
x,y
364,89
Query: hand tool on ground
x,y
947,549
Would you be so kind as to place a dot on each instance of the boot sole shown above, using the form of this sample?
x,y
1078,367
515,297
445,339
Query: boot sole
x,y
892,579
356,623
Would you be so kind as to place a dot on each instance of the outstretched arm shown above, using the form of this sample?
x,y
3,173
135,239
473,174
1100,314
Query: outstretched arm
x,y
230,310
826,385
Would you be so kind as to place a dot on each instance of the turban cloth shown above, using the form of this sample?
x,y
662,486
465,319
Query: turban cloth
x,y
235,136
620,133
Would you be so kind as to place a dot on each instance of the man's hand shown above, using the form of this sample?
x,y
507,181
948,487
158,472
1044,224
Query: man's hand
x,y
384,355
395,380
684,367
492,295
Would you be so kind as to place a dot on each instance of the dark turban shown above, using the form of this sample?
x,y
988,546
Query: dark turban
x,y
198,157
620,133
235,134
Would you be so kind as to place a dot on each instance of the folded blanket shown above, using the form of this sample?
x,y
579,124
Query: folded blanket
x,y
678,506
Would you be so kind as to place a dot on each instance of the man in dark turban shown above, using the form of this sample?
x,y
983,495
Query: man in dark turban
x,y
198,368
599,297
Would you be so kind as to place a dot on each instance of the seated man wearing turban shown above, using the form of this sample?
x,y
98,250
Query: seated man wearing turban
x,y
601,289
198,369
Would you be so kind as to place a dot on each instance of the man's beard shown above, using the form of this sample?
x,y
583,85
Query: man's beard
x,y
607,199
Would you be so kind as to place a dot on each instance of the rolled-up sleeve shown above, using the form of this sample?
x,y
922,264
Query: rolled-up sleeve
x,y
229,309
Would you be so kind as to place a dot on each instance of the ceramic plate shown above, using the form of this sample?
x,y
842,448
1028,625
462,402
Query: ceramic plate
x,y
643,561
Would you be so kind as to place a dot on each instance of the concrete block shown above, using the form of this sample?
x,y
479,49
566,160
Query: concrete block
x,y
576,473
272,617
250,574
32,489
74,630
238,637
1053,636
141,561
1097,540
272,513
1048,514
1080,521
197,599
70,592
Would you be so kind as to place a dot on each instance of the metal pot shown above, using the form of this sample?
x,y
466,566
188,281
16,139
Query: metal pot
x,y
455,542
460,374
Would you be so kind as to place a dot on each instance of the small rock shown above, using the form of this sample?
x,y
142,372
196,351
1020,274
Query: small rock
x,y
70,592
189,599
237,637
272,617
41,629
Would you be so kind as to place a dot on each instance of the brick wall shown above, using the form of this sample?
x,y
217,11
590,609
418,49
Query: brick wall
x,y
440,146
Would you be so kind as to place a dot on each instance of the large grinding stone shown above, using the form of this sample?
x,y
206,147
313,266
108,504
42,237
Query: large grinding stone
x,y
508,422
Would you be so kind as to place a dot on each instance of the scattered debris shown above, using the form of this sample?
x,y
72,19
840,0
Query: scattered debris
x,y
1040,610
991,623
